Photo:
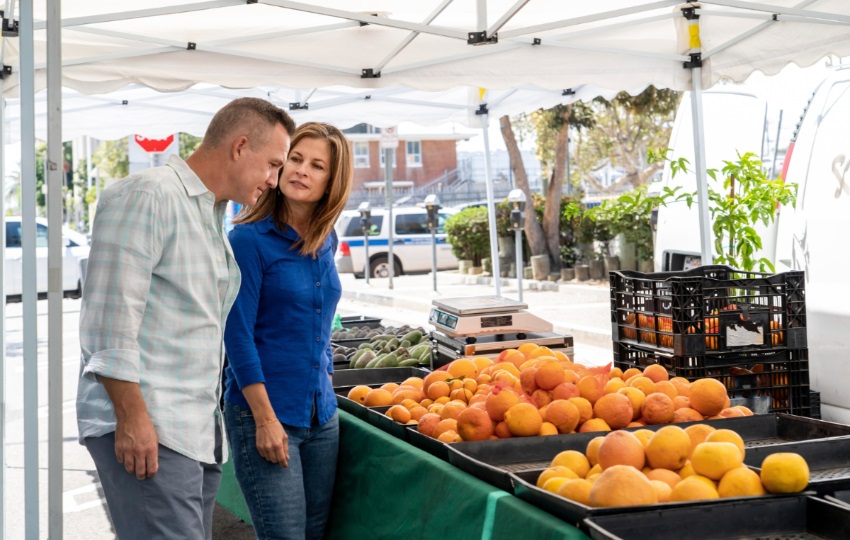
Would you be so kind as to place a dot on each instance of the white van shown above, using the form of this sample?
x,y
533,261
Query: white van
x,y
735,121
815,237
412,248
75,251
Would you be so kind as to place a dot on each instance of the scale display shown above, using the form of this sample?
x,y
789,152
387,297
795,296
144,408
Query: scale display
x,y
442,318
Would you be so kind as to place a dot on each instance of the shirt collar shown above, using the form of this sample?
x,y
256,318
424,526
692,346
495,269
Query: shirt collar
x,y
191,182
267,224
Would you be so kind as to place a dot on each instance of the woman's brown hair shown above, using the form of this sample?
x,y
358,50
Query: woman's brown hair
x,y
331,205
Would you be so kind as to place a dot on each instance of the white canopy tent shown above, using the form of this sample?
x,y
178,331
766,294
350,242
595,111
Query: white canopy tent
x,y
384,45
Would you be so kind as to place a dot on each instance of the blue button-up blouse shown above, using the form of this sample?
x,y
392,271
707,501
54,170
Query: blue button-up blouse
x,y
278,331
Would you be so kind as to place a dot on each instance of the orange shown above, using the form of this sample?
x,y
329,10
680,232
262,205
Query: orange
x,y
631,372
498,402
621,448
461,394
682,402
526,348
698,434
438,389
563,414
541,398
523,420
657,409
743,409
407,392
463,367
694,488
636,397
594,424
482,362
595,470
547,428
585,409
615,409
446,424
577,490
592,450
427,423
616,372
662,490
573,460
666,387
390,386
590,388
526,380
622,485
727,435
433,377
613,385
555,472
565,390
399,413
686,414
644,384
358,394
549,375
643,436
784,472
740,482
416,413
668,448
378,397
452,409
714,459
474,425
664,475
708,396
413,381
656,372
501,430
449,437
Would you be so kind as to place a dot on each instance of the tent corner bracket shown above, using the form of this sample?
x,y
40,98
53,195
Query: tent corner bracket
x,y
10,26
191,46
694,62
482,109
296,106
369,73
481,38
5,71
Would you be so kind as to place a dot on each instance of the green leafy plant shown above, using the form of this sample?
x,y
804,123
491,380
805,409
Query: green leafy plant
x,y
748,198
468,232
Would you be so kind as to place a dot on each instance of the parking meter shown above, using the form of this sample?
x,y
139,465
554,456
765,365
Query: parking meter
x,y
432,206
516,203
365,226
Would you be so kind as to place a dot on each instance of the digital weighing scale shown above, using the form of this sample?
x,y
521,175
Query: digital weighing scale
x,y
487,325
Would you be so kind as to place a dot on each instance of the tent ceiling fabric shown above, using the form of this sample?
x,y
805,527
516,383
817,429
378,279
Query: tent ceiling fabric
x,y
423,44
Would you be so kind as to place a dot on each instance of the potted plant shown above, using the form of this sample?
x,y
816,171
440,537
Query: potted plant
x,y
468,233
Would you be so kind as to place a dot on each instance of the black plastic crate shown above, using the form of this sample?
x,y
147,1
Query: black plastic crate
x,y
814,404
828,460
493,460
345,380
360,320
709,309
777,518
377,416
782,374
431,445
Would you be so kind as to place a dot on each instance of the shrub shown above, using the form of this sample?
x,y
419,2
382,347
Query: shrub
x,y
468,233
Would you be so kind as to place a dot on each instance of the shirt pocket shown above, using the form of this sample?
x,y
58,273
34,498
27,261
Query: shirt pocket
x,y
292,278
330,276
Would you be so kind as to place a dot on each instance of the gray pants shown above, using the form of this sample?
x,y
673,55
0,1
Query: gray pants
x,y
176,504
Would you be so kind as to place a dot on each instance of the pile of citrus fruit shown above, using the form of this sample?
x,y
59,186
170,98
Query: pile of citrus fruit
x,y
699,462
533,390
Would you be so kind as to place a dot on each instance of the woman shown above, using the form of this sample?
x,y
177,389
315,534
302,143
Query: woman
x,y
280,408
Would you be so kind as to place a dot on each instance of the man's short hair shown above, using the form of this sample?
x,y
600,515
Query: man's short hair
x,y
247,116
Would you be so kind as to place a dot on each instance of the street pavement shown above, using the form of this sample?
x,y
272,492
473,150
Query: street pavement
x,y
580,310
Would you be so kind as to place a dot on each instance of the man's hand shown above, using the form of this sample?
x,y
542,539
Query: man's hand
x,y
273,443
136,445
136,441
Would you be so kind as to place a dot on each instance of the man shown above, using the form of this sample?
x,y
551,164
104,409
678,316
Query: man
x,y
161,280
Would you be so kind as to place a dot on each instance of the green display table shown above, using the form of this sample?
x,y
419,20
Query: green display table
x,y
387,488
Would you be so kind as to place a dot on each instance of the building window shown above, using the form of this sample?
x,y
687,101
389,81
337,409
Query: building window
x,y
361,154
414,154
383,161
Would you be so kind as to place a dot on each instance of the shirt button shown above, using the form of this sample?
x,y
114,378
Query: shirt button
x,y
219,259
318,310
316,366
318,284
318,338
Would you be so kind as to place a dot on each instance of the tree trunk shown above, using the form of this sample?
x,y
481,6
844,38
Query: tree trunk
x,y
552,211
533,231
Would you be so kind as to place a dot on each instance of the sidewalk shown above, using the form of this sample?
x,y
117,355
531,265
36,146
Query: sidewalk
x,y
577,309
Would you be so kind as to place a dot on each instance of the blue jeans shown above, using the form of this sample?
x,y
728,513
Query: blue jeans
x,y
292,502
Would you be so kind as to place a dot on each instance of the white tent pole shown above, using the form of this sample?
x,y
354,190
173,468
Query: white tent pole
x,y
481,12
491,209
699,140
506,16
55,248
29,294
142,13
410,37
2,316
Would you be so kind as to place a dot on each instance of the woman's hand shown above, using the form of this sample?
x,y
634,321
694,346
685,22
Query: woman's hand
x,y
273,443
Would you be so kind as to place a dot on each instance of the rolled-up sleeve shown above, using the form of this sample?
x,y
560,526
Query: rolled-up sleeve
x,y
126,246
242,354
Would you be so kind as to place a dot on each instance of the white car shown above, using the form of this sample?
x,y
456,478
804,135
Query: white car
x,y
412,248
75,252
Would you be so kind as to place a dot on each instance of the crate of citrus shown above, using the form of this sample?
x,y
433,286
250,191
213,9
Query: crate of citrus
x,y
709,309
